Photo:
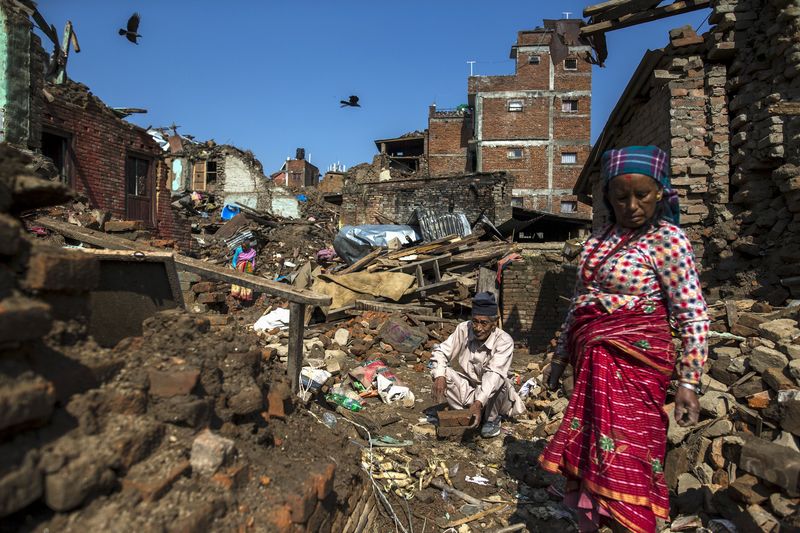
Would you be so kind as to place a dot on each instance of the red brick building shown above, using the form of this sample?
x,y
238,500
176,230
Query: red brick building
x,y
117,165
534,124
297,172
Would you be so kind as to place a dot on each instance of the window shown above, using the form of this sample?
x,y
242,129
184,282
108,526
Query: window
x,y
136,176
211,172
515,105
569,206
514,153
534,60
569,106
55,147
571,64
516,201
569,158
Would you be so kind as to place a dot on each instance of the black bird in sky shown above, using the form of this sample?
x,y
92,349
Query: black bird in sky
x,y
351,102
133,27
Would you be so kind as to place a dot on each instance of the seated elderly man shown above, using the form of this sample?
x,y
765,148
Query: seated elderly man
x,y
470,368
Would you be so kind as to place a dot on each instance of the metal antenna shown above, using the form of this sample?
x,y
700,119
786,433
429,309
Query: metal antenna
x,y
566,14
471,63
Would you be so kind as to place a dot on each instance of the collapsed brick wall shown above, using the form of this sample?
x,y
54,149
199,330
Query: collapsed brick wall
x,y
472,194
99,144
754,240
535,298
728,99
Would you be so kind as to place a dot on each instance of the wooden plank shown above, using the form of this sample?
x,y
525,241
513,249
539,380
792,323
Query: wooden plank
x,y
596,9
676,8
615,8
386,307
433,288
426,264
209,271
294,363
363,262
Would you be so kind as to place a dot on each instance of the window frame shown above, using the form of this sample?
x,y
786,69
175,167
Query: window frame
x,y
564,156
572,103
511,106
575,59
534,59
520,150
136,159
572,203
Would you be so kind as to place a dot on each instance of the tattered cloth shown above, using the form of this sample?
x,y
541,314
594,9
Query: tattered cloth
x,y
612,441
345,289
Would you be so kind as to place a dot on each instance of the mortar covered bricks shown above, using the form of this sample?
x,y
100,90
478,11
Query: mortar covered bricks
x,y
471,194
535,298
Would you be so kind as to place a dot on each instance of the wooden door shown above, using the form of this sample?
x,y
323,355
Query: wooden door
x,y
139,190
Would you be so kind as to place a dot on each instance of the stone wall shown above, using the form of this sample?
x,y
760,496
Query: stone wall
x,y
535,298
471,194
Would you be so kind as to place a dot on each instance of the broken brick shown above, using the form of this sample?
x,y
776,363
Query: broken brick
x,y
54,269
233,477
166,384
203,286
454,417
22,319
301,503
153,490
322,480
211,297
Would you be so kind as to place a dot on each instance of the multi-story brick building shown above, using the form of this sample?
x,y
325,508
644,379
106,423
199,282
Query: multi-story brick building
x,y
297,172
534,124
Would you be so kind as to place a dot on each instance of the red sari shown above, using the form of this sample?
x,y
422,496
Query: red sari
x,y
613,436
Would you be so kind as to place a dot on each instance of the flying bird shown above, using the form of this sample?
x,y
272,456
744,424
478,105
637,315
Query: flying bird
x,y
133,27
351,102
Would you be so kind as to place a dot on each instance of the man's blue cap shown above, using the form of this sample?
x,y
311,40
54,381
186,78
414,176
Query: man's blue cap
x,y
484,304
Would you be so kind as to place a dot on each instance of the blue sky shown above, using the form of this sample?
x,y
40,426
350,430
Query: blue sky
x,y
268,75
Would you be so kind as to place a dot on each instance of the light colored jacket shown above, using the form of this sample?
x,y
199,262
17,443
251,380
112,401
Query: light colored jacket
x,y
484,364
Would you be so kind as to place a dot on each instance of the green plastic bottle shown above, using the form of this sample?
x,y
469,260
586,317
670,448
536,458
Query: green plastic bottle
x,y
344,401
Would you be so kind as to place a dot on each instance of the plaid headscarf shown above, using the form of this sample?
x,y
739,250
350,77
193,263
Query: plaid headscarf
x,y
648,160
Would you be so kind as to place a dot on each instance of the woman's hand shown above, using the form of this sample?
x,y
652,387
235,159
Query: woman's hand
x,y
552,373
687,408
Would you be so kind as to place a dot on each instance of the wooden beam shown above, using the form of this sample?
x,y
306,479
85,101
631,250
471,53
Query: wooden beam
x,y
606,8
590,11
363,262
187,264
631,8
676,8
294,363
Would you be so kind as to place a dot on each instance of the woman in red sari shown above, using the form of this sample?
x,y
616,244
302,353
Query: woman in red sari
x,y
637,284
